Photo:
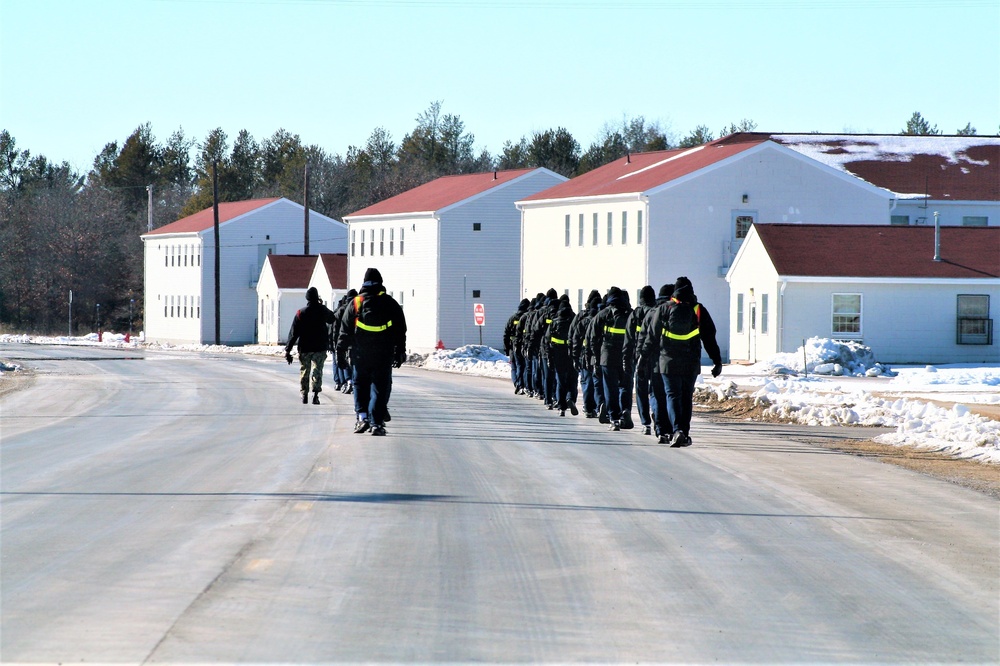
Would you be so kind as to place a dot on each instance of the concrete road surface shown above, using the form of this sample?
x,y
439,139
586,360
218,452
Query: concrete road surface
x,y
174,507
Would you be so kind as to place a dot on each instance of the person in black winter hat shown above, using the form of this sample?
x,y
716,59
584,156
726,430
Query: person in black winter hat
x,y
641,373
608,339
658,400
678,332
310,334
582,356
510,346
373,329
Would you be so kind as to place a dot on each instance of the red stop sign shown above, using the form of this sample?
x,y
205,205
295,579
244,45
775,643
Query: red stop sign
x,y
479,314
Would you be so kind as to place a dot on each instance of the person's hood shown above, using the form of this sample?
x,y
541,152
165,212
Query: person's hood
x,y
565,309
666,292
647,296
351,294
372,276
594,296
684,293
523,305
614,297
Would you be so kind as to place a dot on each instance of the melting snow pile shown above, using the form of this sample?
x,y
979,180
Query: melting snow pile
x,y
470,359
821,356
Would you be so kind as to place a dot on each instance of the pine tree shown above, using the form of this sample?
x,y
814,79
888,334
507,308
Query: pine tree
x,y
918,126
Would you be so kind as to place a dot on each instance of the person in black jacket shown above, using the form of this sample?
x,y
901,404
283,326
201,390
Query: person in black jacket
x,y
642,373
373,328
560,357
658,399
608,341
341,375
680,329
510,347
581,354
310,333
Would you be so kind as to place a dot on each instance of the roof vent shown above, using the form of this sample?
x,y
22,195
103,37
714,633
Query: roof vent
x,y
937,237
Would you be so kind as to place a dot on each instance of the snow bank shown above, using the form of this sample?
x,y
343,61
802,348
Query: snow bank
x,y
822,356
472,360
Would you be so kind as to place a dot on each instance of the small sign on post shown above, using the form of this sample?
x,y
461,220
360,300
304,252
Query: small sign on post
x,y
479,316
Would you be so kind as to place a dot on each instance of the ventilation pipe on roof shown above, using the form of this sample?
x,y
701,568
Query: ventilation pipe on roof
x,y
494,174
937,237
628,157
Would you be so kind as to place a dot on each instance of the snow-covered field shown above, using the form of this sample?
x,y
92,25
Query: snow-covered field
x,y
824,383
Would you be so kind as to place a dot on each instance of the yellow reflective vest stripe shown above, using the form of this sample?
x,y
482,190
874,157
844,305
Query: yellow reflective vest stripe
x,y
557,341
617,331
373,329
686,336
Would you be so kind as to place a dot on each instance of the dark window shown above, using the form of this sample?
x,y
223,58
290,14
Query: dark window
x,y
475,293
974,324
477,226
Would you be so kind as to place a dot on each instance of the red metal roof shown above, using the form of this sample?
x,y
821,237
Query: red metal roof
x,y
881,251
292,271
956,168
440,193
643,171
205,219
336,269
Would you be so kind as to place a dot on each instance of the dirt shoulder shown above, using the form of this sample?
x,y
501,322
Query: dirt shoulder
x,y
15,381
982,477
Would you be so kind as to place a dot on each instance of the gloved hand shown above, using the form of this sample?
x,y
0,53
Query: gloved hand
x,y
342,360
288,357
716,369
399,359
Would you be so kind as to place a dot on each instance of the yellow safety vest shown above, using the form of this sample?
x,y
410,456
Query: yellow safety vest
x,y
686,336
357,317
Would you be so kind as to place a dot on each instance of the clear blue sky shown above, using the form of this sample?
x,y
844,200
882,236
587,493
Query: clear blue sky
x,y
77,74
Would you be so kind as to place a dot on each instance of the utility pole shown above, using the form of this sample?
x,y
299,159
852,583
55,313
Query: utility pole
x,y
305,240
215,215
149,209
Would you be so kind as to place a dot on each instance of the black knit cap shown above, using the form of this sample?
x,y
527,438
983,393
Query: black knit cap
x,y
552,293
372,276
666,291
312,294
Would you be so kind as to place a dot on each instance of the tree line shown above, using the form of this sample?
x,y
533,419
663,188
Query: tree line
x,y
63,231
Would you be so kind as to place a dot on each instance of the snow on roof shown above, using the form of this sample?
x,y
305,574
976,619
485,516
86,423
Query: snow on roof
x,y
205,219
878,251
336,269
292,271
957,168
643,171
440,193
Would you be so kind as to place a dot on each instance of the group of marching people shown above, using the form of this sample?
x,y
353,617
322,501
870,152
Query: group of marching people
x,y
611,348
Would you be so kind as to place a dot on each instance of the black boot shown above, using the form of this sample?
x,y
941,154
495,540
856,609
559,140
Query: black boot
x,y
316,398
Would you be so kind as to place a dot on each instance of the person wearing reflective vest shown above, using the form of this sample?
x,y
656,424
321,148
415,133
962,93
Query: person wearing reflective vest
x,y
640,373
341,375
560,359
581,354
510,347
680,329
608,342
373,328
658,396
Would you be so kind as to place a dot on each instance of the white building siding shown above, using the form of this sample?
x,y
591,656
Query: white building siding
x,y
753,338
486,260
951,213
548,262
173,287
407,258
902,321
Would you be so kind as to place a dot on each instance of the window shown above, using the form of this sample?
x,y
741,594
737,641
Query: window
x,y
392,241
354,234
372,246
899,220
185,255
477,226
611,224
567,231
185,307
579,300
401,241
739,313
362,242
975,221
381,242
475,293
847,315
198,313
763,314
743,223
625,228
595,229
638,225
974,324
580,239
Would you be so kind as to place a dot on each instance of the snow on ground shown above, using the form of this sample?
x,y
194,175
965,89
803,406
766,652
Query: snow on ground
x,y
843,385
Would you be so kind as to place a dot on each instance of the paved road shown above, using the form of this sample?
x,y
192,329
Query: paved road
x,y
159,507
